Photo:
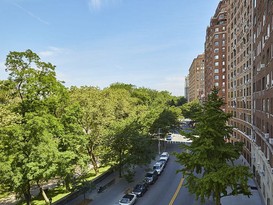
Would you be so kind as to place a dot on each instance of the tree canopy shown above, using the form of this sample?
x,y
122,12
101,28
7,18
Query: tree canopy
x,y
208,163
49,131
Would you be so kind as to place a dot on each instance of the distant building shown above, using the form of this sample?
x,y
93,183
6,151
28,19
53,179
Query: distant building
x,y
215,51
186,91
196,79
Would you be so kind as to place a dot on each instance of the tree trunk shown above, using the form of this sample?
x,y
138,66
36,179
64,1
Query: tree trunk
x,y
27,194
92,157
43,194
217,198
94,163
67,183
120,164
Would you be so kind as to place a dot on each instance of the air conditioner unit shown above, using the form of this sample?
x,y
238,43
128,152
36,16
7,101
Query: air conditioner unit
x,y
271,141
262,65
266,135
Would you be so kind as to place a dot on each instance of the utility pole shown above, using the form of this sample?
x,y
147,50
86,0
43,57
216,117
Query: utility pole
x,y
159,129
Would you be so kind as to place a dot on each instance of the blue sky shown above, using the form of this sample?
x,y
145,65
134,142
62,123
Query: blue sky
x,y
147,43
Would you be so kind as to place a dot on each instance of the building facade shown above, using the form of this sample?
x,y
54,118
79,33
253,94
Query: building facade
x,y
196,79
239,74
215,51
186,88
262,148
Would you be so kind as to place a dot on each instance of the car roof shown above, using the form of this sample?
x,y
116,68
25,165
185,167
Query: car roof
x,y
164,153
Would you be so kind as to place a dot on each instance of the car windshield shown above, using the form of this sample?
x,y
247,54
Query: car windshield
x,y
125,200
163,155
149,175
138,186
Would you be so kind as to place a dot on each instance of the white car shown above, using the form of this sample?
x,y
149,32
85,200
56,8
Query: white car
x,y
159,166
165,156
128,199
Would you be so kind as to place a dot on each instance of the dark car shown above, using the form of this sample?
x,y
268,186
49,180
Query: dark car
x,y
140,189
151,177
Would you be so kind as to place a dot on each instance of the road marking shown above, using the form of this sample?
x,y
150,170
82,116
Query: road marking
x,y
177,191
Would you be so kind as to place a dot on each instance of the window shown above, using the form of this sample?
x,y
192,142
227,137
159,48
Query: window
x,y
223,63
216,57
223,28
224,35
216,70
216,50
216,77
216,84
223,77
216,43
223,42
216,36
216,29
216,63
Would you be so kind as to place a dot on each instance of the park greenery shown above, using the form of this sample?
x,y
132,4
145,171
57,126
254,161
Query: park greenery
x,y
49,131
208,162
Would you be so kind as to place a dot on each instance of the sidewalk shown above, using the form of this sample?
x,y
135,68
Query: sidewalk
x,y
119,185
254,199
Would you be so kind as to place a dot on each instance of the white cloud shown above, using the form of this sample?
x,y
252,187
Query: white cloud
x,y
31,14
98,4
174,84
52,51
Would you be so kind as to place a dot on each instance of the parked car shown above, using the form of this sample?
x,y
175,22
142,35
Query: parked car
x,y
151,177
140,189
128,199
159,166
164,161
169,137
164,155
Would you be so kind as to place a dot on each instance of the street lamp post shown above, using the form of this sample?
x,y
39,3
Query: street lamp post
x,y
159,129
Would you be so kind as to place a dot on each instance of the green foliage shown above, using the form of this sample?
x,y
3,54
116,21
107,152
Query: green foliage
x,y
208,163
33,131
190,109
49,131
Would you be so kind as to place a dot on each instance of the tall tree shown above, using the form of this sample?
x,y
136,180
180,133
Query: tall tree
x,y
32,132
208,163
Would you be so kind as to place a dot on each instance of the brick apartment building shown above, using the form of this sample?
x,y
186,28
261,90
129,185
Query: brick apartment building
x,y
239,61
215,51
262,149
196,79
239,35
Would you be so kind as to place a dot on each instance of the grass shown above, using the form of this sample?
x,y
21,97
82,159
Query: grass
x,y
59,192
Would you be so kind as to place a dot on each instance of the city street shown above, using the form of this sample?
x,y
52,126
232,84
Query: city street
x,y
160,193
165,191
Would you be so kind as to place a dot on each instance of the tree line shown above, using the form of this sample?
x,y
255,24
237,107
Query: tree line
x,y
50,131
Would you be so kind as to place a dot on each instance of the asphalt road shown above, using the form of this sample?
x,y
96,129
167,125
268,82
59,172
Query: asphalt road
x,y
164,192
